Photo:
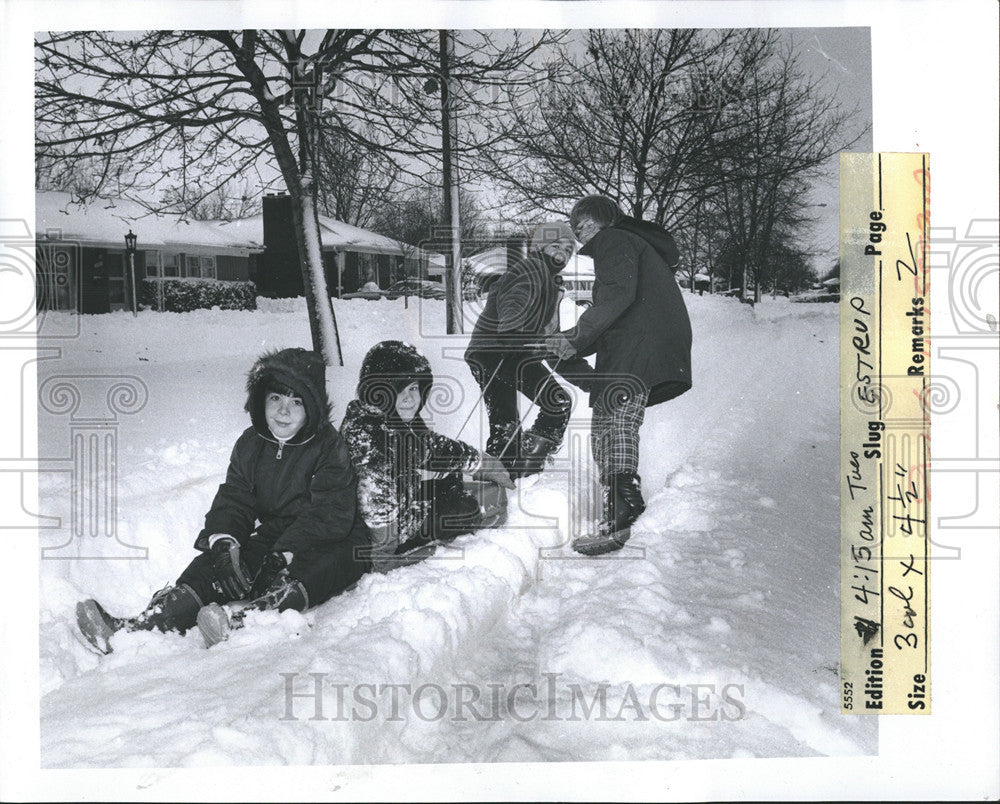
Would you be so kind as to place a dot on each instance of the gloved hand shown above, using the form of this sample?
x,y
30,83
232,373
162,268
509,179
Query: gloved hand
x,y
231,575
560,346
273,566
491,470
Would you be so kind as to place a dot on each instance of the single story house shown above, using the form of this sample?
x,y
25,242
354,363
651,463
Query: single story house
x,y
352,256
82,263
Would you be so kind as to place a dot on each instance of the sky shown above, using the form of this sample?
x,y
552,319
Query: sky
x,y
841,59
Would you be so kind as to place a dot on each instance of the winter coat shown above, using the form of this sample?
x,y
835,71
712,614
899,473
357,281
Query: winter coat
x,y
393,457
295,496
638,324
521,306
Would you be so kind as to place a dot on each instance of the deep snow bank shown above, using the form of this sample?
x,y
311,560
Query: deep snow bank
x,y
713,634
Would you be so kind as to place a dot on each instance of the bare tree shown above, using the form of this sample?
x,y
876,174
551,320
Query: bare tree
x,y
355,181
630,119
193,110
777,130
712,134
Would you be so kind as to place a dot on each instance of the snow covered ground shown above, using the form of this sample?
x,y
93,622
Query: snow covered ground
x,y
714,634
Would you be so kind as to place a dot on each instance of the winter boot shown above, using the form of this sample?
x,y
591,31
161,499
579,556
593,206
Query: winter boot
x,y
96,625
623,504
506,445
173,608
283,594
628,489
503,440
213,622
492,499
545,435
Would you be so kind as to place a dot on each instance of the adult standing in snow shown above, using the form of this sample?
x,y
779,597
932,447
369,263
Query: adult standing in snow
x,y
283,530
639,329
503,354
410,485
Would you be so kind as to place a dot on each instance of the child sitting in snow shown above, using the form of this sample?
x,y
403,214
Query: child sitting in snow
x,y
283,531
409,478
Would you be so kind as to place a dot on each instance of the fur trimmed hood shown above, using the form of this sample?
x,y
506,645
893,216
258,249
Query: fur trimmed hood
x,y
387,369
300,370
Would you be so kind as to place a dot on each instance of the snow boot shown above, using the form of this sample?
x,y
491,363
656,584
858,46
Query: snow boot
x,y
623,504
538,443
628,488
502,443
213,622
283,594
173,608
492,498
506,445
544,437
96,625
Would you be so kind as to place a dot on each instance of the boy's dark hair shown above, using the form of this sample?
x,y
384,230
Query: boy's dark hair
x,y
602,209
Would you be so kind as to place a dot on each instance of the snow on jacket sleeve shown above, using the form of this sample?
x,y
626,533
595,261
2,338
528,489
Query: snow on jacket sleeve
x,y
446,455
233,511
366,440
329,514
616,266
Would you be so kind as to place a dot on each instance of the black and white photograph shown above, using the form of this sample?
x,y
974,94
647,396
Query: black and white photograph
x,y
460,396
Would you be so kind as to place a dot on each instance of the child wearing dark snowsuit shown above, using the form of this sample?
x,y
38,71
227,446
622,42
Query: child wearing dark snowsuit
x,y
283,531
410,485
505,357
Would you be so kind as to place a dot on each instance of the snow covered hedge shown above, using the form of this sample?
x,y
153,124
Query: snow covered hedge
x,y
184,295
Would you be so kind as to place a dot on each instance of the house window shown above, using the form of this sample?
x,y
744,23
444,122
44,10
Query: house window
x,y
153,266
200,267
171,265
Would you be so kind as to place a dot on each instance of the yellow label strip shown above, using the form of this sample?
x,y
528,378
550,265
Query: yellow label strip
x,y
884,433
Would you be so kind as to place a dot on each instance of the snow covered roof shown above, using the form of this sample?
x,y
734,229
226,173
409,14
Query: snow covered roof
x,y
104,222
354,238
336,235
488,262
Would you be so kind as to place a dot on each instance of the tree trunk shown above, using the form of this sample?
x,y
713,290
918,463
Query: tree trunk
x,y
322,322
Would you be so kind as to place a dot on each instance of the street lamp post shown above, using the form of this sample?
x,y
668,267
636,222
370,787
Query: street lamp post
x,y
130,241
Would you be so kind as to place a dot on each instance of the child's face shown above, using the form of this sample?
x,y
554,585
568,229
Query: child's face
x,y
408,402
285,415
560,251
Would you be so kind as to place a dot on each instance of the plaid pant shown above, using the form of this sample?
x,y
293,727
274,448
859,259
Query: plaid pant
x,y
614,432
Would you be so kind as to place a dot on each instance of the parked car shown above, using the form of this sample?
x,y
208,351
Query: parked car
x,y
416,287
580,291
371,295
